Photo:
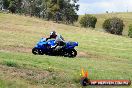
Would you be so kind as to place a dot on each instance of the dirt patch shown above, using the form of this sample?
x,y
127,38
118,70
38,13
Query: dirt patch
x,y
82,54
95,56
87,55
17,49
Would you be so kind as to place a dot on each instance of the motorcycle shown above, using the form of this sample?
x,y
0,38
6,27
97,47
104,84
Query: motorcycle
x,y
45,47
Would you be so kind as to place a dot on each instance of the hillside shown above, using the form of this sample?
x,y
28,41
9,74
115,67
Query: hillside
x,y
126,17
105,56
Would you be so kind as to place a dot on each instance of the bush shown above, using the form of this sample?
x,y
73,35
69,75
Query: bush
x,y
88,21
113,25
10,64
130,31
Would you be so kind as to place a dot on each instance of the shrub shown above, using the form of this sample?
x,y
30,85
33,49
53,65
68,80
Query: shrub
x,y
10,63
88,21
130,31
113,25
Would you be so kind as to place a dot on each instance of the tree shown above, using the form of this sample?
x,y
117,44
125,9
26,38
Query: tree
x,y
34,7
66,10
58,10
19,6
12,6
6,4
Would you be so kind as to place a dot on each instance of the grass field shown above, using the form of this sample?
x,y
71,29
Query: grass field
x,y
105,56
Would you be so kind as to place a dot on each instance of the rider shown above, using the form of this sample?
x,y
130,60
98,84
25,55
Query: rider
x,y
59,40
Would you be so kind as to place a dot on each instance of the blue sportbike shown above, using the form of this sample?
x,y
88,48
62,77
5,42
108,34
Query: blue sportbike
x,y
45,47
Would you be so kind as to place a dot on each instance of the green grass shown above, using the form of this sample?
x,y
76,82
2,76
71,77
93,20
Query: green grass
x,y
11,84
105,56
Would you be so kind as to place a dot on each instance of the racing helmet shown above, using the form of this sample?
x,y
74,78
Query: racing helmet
x,y
53,33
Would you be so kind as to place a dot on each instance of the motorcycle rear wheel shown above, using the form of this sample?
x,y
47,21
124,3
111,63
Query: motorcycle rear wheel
x,y
70,53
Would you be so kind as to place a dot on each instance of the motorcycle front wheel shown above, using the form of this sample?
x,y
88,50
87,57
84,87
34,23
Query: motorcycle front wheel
x,y
35,51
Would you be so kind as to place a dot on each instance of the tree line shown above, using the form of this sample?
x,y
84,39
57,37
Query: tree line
x,y
57,10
